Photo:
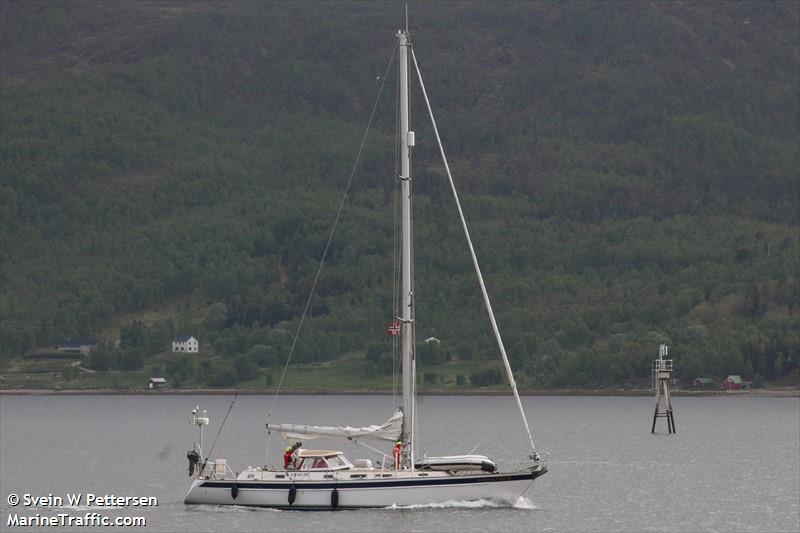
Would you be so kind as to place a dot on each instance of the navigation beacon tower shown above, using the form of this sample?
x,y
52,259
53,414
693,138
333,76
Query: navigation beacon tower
x,y
661,371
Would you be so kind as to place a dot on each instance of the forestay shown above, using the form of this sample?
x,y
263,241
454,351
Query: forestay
x,y
389,430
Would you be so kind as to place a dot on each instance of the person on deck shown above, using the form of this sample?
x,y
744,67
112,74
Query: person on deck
x,y
398,454
288,458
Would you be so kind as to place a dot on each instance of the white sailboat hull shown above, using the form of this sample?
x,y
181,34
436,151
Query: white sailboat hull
x,y
352,494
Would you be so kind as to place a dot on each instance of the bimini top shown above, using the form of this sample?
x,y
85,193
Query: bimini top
x,y
317,453
322,460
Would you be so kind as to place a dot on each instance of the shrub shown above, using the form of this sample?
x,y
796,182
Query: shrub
x,y
245,368
431,353
491,376
432,378
180,369
226,378
101,358
262,355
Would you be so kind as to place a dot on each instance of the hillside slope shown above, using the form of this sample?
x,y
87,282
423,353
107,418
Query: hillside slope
x,y
630,171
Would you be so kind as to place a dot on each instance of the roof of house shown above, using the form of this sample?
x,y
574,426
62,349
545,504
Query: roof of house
x,y
158,380
432,339
182,338
734,378
703,380
78,342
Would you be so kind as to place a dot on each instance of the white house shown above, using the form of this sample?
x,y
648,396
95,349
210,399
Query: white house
x,y
185,343
156,383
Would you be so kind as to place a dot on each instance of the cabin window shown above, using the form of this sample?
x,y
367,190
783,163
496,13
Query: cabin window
x,y
335,461
313,463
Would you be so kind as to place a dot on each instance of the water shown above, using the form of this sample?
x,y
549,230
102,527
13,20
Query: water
x,y
734,464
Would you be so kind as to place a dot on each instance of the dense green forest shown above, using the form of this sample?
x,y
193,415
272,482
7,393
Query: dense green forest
x,y
629,171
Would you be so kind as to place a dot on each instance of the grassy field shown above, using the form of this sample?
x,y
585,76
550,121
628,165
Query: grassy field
x,y
48,369
346,373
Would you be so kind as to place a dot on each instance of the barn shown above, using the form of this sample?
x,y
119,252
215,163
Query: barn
x,y
733,382
703,383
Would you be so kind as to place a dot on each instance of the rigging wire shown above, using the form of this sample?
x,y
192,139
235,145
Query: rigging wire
x,y
330,236
395,242
219,432
486,301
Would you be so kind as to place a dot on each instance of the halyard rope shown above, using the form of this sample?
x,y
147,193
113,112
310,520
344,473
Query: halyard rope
x,y
330,237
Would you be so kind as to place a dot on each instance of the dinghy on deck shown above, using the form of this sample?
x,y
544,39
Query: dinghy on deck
x,y
457,463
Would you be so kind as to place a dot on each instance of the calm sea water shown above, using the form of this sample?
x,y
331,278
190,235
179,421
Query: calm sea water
x,y
734,464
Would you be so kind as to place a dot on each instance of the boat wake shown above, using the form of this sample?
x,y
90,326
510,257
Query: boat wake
x,y
521,503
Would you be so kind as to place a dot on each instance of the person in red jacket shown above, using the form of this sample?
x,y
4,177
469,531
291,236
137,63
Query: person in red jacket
x,y
398,453
287,457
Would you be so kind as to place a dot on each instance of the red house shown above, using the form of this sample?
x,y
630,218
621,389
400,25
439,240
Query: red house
x,y
732,382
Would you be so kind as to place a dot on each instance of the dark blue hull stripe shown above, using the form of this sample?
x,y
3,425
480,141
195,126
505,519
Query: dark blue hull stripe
x,y
377,483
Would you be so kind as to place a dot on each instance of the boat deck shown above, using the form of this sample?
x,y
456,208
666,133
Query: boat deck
x,y
261,474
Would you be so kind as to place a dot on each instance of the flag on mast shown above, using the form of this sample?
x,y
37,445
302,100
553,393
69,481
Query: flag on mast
x,y
393,329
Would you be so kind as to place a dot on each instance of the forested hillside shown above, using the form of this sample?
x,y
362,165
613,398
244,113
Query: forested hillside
x,y
629,170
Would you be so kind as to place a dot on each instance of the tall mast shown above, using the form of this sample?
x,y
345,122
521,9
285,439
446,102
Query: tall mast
x,y
407,282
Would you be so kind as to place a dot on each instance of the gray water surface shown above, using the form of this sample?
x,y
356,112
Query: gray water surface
x,y
734,464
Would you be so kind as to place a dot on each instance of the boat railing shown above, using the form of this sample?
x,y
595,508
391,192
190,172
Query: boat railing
x,y
531,464
661,370
662,365
220,469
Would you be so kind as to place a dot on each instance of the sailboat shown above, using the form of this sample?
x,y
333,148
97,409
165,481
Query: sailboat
x,y
327,479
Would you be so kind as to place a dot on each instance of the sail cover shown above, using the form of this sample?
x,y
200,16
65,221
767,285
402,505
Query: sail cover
x,y
389,430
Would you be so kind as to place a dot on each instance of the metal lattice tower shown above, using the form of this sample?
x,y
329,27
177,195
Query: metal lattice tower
x,y
661,372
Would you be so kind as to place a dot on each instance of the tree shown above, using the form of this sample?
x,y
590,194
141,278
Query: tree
x,y
432,378
431,353
262,355
217,316
245,368
226,378
101,357
130,359
179,369
203,372
485,378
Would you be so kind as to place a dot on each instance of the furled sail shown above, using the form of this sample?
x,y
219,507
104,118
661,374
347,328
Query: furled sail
x,y
389,430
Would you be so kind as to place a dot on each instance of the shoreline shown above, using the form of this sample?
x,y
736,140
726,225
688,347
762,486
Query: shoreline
x,y
778,392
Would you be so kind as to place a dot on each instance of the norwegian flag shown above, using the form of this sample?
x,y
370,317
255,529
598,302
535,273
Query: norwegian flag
x,y
393,329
